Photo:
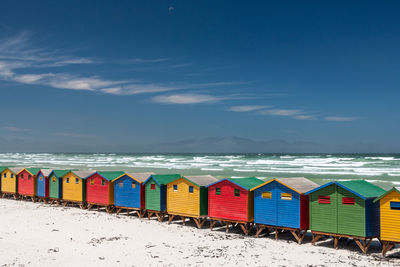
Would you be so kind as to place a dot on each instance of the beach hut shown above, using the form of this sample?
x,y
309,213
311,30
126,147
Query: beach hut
x,y
42,184
74,188
9,183
129,192
27,183
230,201
280,204
1,170
100,189
156,194
187,197
345,209
389,205
55,185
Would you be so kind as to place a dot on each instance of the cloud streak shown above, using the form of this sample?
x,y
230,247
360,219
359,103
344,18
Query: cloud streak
x,y
247,108
184,99
340,119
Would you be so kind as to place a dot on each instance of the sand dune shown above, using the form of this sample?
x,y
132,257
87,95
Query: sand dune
x,y
36,234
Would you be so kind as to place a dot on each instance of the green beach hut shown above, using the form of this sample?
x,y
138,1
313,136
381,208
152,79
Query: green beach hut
x,y
156,194
345,209
55,185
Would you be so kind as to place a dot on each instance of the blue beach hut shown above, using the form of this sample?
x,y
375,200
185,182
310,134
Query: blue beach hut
x,y
42,184
280,204
129,192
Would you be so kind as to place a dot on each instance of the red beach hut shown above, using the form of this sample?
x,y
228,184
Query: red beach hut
x,y
27,183
231,201
100,189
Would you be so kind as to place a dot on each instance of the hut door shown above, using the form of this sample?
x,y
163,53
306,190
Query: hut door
x,y
324,210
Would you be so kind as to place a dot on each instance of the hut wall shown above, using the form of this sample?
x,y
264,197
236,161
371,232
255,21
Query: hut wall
x,y
74,189
203,200
323,217
55,187
181,201
265,209
42,186
26,183
153,196
127,192
350,218
8,182
97,192
390,218
226,205
304,212
372,217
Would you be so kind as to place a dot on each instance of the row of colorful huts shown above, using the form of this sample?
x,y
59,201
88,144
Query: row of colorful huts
x,y
353,209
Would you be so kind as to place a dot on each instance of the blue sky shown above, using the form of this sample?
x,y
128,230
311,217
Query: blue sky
x,y
105,74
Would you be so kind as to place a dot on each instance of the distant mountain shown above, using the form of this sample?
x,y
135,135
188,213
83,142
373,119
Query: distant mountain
x,y
230,144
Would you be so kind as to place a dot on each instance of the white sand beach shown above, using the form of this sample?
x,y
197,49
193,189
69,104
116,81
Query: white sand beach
x,y
36,234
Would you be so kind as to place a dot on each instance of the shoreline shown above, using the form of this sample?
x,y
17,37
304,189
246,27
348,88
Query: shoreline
x,y
39,234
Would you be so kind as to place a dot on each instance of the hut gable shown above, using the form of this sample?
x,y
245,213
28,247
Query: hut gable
x,y
141,177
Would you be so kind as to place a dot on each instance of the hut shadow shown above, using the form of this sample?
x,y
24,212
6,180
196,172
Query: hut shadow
x,y
350,245
285,236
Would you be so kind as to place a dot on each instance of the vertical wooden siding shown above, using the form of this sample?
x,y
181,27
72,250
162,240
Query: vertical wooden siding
x,y
227,205
126,196
42,186
323,217
153,197
182,202
372,218
265,209
26,185
55,188
390,218
304,212
98,193
73,191
8,184
351,218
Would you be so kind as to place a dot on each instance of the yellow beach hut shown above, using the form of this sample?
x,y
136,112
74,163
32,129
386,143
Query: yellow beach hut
x,y
187,197
389,204
74,188
9,184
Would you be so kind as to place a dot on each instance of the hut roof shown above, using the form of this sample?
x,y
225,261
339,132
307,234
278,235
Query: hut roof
x,y
394,189
109,175
361,188
163,178
16,170
32,171
2,168
59,173
299,184
246,183
138,176
201,180
45,172
82,174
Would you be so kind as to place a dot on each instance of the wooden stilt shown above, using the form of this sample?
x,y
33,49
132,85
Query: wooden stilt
x,y
335,242
118,211
315,238
227,227
199,222
171,217
183,220
212,223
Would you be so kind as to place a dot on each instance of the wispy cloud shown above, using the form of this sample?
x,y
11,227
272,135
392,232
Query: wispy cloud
x,y
15,129
340,119
247,108
297,114
186,99
75,135
17,57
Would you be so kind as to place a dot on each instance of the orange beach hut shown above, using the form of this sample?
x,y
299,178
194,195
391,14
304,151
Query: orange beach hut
x,y
74,187
9,183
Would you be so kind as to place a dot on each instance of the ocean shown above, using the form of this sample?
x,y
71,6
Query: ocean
x,y
382,170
